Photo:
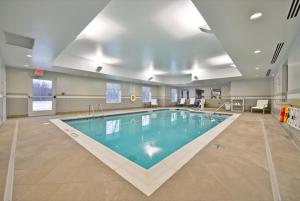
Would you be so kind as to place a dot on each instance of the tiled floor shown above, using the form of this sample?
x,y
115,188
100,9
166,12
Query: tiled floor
x,y
51,166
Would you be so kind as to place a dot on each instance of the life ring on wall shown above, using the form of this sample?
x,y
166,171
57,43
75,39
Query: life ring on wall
x,y
132,98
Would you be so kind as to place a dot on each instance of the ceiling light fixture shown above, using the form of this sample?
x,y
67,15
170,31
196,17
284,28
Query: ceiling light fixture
x,y
255,16
257,51
257,68
28,55
220,60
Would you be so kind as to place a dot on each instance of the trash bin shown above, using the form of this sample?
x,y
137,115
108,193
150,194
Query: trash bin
x,y
227,106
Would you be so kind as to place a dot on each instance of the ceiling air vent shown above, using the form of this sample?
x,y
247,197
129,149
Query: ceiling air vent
x,y
277,52
268,72
294,9
18,40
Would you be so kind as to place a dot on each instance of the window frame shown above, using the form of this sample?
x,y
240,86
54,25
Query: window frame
x,y
173,99
115,88
149,95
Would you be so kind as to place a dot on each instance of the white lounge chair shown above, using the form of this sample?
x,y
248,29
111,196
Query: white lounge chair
x,y
182,102
154,103
260,105
192,102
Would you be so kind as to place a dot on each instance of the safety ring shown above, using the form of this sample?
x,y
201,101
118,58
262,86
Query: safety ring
x,y
132,98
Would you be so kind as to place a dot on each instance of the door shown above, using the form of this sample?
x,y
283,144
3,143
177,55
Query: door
x,y
42,100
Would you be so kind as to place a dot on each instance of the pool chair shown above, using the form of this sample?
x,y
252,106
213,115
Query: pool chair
x,y
192,102
182,102
154,103
260,105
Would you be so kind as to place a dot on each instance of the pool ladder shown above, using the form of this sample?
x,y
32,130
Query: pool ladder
x,y
100,109
212,113
218,108
92,111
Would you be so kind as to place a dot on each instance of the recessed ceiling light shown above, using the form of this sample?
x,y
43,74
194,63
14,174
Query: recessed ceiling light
x,y
257,51
28,55
255,16
257,68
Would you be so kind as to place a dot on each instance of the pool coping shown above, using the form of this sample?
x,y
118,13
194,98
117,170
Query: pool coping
x,y
146,180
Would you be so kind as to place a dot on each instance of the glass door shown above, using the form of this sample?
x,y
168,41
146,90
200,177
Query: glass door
x,y
42,100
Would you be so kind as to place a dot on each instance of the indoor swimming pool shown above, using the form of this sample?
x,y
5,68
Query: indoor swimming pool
x,y
146,138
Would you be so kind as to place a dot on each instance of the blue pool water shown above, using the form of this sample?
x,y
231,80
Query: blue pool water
x,y
147,137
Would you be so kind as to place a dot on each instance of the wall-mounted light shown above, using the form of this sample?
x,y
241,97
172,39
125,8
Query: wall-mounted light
x,y
196,77
257,51
99,68
255,16
150,78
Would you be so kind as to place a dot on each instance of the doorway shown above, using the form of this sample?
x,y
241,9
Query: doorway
x,y
42,100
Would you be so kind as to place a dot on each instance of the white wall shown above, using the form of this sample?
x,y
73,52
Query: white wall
x,y
286,83
225,90
78,91
2,92
251,87
294,71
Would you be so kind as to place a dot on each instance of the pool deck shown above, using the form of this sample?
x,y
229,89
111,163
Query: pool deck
x,y
235,166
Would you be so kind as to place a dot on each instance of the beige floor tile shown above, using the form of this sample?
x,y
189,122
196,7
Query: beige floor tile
x,y
233,167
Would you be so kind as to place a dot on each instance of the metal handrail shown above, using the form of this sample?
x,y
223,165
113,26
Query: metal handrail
x,y
218,108
91,109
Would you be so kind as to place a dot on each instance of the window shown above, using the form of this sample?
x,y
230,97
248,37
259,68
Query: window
x,y
173,95
113,93
199,93
146,94
185,93
41,95
215,93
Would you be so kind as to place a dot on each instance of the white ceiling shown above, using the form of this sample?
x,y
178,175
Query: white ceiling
x,y
240,36
143,39
139,39
52,23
